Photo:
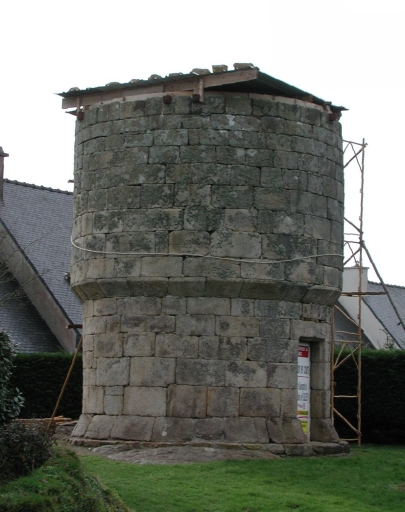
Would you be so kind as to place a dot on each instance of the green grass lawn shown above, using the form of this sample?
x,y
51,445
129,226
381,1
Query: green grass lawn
x,y
371,479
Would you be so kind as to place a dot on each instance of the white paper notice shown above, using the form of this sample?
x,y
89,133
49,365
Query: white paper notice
x,y
303,404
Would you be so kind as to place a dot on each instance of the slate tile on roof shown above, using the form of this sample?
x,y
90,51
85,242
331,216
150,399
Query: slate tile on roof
x,y
383,310
40,219
21,321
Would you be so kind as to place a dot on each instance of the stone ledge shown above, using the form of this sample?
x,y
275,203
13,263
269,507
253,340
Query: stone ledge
x,y
312,449
206,286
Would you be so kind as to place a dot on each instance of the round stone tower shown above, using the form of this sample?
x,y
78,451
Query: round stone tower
x,y
207,243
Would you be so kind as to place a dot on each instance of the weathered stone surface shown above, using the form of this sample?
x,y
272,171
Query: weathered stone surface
x,y
289,399
140,306
187,401
174,345
282,375
103,307
310,330
298,450
262,271
208,306
189,242
162,266
221,347
149,287
93,399
152,219
173,430
273,350
244,174
209,428
320,403
232,197
186,286
223,288
195,325
236,245
145,401
242,307
174,305
287,430
261,289
260,402
184,342
201,217
240,220
200,372
163,155
192,195
170,137
82,425
113,405
100,427
323,431
139,243
225,270
246,374
108,345
133,324
223,401
152,371
161,323
241,430
112,371
326,448
237,326
136,428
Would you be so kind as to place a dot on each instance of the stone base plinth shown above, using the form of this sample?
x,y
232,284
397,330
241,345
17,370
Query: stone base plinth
x,y
276,449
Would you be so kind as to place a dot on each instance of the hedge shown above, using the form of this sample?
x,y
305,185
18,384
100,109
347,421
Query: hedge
x,y
383,386
40,378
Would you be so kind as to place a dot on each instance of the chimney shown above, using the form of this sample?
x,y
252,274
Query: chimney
x,y
351,279
2,156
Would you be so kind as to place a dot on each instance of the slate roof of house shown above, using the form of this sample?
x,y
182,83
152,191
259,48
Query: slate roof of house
x,y
40,220
21,321
383,310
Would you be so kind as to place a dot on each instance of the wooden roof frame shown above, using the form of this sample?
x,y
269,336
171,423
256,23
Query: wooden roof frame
x,y
247,80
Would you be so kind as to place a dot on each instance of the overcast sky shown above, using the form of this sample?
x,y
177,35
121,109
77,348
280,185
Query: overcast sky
x,y
347,52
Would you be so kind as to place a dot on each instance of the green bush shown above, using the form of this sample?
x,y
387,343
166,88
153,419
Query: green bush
x,y
11,399
383,381
60,485
40,378
22,449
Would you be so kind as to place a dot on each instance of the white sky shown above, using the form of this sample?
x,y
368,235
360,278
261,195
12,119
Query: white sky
x,y
347,52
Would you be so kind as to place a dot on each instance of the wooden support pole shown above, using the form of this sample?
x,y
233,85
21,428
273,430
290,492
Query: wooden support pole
x,y
65,383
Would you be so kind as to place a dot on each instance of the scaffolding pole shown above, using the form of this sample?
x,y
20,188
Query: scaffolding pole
x,y
343,351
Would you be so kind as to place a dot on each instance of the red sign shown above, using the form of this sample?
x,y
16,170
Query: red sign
x,y
303,351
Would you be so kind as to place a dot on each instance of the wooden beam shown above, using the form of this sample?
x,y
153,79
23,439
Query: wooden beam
x,y
187,84
230,78
90,99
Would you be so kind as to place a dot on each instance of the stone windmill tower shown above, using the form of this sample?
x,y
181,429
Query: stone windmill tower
x,y
207,248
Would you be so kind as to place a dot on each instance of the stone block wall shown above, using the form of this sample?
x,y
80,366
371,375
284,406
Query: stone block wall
x,y
208,225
